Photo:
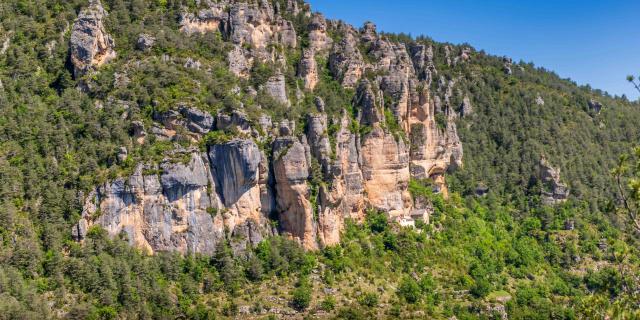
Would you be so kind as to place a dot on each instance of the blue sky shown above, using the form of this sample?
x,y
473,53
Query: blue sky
x,y
594,42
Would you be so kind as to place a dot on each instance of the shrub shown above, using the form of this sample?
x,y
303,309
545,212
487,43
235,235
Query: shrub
x,y
368,299
409,290
328,304
302,295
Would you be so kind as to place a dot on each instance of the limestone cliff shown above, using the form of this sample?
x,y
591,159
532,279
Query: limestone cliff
x,y
268,178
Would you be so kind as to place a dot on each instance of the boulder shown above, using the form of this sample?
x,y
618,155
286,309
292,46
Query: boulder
x,y
145,42
234,121
595,106
122,155
138,132
196,120
506,66
192,64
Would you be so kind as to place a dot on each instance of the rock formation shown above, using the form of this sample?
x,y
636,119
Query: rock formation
x,y
91,46
291,170
553,190
346,62
402,126
594,105
240,62
276,88
308,69
145,42
319,40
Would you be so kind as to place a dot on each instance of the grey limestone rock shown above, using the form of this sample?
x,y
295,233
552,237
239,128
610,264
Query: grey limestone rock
x,y
91,45
235,167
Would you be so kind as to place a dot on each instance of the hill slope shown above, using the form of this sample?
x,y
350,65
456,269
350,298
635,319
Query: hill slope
x,y
239,134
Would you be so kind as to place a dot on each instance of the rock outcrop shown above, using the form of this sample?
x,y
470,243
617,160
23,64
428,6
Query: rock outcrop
x,y
240,62
205,20
188,207
595,106
402,126
308,69
319,40
345,62
553,190
91,45
166,212
252,24
145,42
276,87
235,168
291,171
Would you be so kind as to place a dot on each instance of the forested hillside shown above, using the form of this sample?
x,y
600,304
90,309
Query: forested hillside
x,y
252,159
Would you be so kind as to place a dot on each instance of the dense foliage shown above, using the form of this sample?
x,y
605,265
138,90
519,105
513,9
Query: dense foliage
x,y
477,254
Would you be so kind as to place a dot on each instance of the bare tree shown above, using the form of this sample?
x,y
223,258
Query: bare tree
x,y
629,191
632,79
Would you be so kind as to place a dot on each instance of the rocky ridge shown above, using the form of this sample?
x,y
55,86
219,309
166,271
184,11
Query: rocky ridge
x,y
401,129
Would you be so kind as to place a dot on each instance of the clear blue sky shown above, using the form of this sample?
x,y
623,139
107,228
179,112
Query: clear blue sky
x,y
594,42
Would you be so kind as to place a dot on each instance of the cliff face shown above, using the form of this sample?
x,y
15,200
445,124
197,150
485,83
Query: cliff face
x,y
300,183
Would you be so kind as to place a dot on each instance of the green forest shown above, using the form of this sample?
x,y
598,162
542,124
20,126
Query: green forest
x,y
481,256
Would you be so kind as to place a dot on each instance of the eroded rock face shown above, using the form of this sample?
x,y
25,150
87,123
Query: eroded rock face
x,y
180,210
308,69
368,32
206,20
385,169
276,88
291,171
422,57
253,24
158,213
345,62
435,146
384,158
318,139
91,45
235,167
367,101
318,38
240,62
236,186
